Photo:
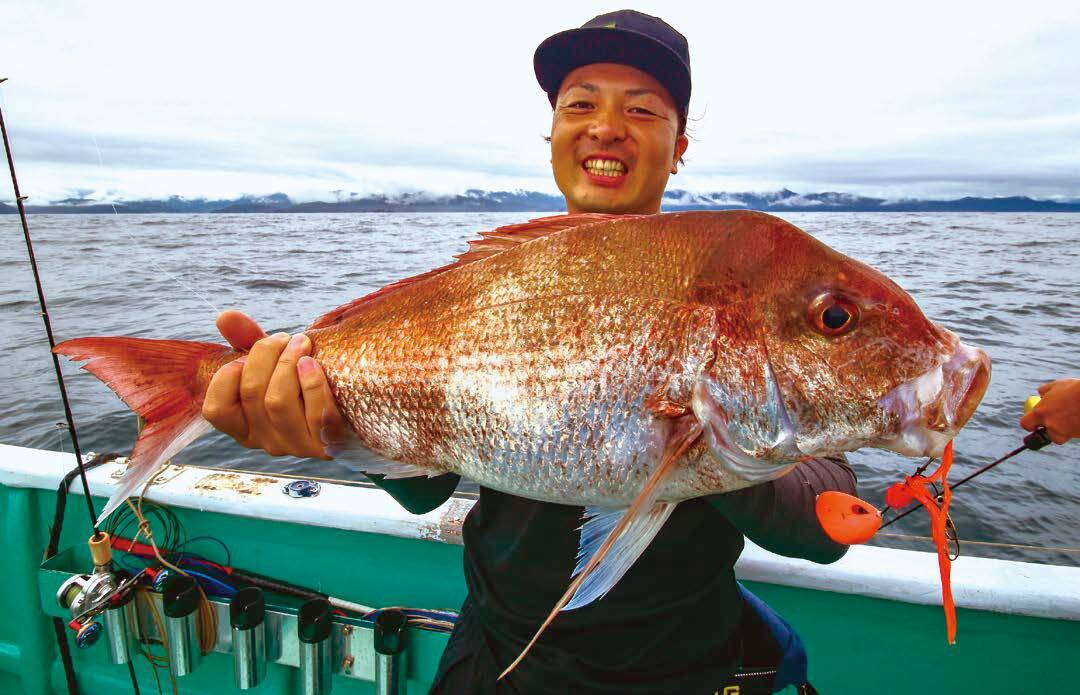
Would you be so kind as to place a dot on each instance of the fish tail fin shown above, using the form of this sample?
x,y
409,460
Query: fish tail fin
x,y
164,382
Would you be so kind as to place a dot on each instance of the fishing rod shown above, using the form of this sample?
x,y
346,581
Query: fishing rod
x,y
849,520
1034,441
19,198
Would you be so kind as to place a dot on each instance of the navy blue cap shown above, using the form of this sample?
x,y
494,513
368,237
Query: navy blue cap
x,y
626,37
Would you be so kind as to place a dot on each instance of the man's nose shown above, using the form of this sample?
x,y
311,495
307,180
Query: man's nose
x,y
607,126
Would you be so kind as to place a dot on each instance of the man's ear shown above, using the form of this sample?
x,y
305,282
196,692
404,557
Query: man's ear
x,y
681,143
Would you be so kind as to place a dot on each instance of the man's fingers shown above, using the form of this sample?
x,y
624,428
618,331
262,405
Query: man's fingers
x,y
284,405
1058,428
324,421
1046,387
1030,421
1057,436
221,406
239,329
258,370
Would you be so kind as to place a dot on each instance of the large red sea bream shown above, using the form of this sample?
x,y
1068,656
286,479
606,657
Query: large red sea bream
x,y
622,363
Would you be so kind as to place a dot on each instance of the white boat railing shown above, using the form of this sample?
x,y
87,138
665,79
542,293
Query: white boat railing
x,y
1004,586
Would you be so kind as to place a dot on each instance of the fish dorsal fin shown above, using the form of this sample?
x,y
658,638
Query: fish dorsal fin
x,y
499,240
490,243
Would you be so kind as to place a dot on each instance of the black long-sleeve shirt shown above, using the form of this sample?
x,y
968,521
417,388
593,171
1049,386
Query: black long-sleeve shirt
x,y
667,626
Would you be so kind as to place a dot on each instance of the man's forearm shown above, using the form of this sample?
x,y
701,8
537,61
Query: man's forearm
x,y
779,515
419,495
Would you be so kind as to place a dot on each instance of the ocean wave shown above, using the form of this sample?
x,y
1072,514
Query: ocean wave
x,y
271,284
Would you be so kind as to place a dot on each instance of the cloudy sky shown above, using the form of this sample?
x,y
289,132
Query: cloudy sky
x,y
136,99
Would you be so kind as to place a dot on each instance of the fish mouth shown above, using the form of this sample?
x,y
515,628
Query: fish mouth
x,y
931,408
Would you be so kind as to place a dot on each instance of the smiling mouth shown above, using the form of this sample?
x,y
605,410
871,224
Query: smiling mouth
x,y
604,167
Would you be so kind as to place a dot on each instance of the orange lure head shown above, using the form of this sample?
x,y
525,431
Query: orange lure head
x,y
845,518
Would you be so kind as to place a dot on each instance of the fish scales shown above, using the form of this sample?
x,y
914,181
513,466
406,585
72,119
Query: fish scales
x,y
555,411
530,370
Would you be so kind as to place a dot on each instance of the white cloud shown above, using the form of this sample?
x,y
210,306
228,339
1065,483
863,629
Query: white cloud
x,y
219,99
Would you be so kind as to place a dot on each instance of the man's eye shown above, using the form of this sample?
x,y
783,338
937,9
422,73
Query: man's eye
x,y
641,109
578,105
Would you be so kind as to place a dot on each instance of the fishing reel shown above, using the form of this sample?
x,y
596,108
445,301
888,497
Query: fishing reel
x,y
100,602
86,596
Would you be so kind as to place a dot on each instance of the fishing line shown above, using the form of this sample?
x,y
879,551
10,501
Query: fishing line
x,y
207,614
19,198
1034,441
162,637
135,241
1048,548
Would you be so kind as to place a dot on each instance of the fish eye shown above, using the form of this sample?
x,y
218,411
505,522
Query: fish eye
x,y
833,315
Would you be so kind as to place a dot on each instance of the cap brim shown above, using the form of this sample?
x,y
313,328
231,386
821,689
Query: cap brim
x,y
564,52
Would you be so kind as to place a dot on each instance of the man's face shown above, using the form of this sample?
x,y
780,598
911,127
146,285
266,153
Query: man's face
x,y
614,140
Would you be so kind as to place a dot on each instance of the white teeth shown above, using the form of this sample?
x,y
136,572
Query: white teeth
x,y
605,167
928,386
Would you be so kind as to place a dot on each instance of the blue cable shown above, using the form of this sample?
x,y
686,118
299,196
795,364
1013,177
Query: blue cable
x,y
229,591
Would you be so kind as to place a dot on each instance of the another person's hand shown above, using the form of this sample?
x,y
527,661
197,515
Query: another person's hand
x,y
276,397
1058,411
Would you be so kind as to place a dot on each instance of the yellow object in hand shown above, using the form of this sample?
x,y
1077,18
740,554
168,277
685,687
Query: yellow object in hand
x,y
1030,403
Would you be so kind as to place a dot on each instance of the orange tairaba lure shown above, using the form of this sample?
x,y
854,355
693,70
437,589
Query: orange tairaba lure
x,y
848,520
914,487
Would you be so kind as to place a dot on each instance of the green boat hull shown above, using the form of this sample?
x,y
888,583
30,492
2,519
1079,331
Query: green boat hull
x,y
855,643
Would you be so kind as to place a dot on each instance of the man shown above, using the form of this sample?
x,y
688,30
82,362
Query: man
x,y
620,89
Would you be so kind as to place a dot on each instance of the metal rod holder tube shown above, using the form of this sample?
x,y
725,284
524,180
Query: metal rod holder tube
x,y
313,626
246,616
180,601
389,638
120,630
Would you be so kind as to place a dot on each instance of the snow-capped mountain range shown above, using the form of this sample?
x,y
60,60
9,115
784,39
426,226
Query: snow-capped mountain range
x,y
475,200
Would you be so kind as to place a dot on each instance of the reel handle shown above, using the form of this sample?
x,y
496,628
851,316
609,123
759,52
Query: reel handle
x,y
1037,439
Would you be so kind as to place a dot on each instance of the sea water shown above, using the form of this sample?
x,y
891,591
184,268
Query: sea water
x,y
1008,283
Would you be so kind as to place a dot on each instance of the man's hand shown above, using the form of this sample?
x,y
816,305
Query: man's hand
x,y
274,398
1058,411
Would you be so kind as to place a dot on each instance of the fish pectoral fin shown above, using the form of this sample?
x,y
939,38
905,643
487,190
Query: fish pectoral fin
x,y
624,552
639,523
350,453
714,421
